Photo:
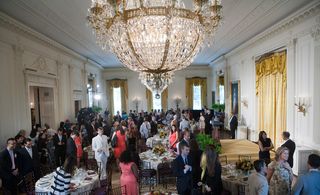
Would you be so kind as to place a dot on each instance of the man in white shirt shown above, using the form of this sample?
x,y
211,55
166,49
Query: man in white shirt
x,y
184,124
258,184
145,129
101,151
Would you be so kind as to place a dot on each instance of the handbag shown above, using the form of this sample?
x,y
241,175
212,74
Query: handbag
x,y
114,140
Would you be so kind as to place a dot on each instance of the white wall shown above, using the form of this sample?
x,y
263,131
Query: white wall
x,y
176,89
299,34
31,59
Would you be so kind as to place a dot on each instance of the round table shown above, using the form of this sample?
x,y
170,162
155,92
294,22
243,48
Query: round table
x,y
83,180
151,160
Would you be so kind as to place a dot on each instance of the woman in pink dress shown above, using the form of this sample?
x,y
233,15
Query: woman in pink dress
x,y
173,137
129,173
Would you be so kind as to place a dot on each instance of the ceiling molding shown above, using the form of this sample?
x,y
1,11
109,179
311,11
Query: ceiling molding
x,y
23,30
293,19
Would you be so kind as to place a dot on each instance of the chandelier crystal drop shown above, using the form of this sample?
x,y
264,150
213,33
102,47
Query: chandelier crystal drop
x,y
154,36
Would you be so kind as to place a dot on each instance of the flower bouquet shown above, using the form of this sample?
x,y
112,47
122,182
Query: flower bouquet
x,y
159,149
162,134
244,165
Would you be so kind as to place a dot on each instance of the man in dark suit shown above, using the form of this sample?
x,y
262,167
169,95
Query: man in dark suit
x,y
8,168
183,170
290,145
71,146
233,122
207,118
185,140
59,141
28,160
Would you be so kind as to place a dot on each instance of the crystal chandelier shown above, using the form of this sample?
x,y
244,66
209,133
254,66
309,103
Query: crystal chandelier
x,y
154,36
156,82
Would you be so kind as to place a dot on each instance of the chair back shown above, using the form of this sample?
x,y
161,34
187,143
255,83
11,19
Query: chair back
x,y
29,183
244,157
45,170
120,190
223,159
92,164
241,189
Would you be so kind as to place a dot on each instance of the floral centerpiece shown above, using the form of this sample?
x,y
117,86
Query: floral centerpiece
x,y
244,165
159,149
204,140
162,134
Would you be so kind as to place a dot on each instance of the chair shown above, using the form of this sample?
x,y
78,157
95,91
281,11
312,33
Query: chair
x,y
241,189
147,176
223,159
244,157
121,190
109,176
29,183
165,173
92,164
45,170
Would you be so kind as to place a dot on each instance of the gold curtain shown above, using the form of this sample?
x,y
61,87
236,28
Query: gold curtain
x,y
149,96
164,99
123,84
196,81
271,90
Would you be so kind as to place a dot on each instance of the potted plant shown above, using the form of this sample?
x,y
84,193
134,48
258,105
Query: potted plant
x,y
204,140
218,107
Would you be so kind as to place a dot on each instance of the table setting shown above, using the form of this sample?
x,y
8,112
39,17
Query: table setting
x,y
159,154
83,180
233,177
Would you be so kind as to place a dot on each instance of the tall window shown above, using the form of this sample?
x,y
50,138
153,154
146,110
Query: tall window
x,y
197,97
221,94
117,100
156,102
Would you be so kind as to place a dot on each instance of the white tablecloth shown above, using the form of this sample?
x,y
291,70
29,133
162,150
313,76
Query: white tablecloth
x,y
232,178
151,141
81,180
151,160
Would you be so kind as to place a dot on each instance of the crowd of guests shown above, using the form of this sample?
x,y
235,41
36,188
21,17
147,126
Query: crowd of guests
x,y
196,170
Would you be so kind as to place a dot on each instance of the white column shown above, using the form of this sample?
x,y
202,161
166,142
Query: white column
x,y
291,54
316,89
21,106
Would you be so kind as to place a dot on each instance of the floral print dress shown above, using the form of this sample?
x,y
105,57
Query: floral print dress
x,y
280,182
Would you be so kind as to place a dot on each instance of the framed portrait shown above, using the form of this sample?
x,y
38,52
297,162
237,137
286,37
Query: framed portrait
x,y
235,97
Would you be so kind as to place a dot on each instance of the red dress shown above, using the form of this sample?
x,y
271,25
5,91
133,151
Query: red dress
x,y
121,144
127,178
77,141
172,139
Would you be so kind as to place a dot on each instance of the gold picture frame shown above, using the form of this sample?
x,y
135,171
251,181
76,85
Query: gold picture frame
x,y
235,97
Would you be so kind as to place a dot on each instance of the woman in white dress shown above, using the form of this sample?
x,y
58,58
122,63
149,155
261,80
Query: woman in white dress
x,y
202,124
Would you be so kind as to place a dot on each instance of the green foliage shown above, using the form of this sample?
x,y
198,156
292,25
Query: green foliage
x,y
218,107
96,109
204,140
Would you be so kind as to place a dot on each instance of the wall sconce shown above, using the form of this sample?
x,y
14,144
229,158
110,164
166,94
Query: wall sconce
x,y
136,102
302,103
244,101
177,101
